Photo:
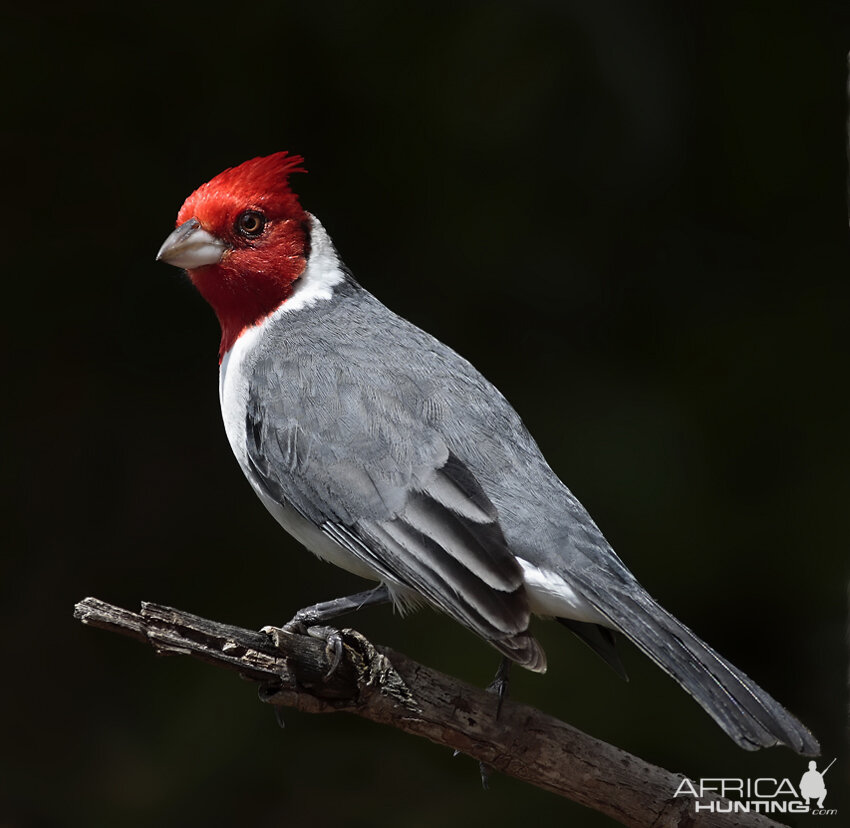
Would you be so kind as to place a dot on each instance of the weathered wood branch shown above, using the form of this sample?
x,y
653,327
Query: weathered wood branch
x,y
385,686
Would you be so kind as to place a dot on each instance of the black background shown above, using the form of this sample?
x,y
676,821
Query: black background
x,y
630,216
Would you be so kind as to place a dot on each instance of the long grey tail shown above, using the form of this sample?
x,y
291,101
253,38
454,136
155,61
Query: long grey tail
x,y
751,717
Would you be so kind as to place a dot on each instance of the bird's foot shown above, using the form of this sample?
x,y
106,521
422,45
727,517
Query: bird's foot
x,y
302,626
311,620
500,684
499,687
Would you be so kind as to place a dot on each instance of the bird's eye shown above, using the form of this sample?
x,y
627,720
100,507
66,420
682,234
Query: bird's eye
x,y
250,224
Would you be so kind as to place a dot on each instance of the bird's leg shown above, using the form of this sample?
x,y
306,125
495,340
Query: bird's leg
x,y
328,610
311,620
499,686
500,683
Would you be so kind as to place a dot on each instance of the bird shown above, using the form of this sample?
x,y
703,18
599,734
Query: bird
x,y
383,451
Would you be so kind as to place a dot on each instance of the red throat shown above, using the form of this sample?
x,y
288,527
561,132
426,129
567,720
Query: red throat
x,y
256,274
247,287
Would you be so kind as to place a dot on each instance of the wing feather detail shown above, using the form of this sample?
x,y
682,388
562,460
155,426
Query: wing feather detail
x,y
480,547
408,509
421,564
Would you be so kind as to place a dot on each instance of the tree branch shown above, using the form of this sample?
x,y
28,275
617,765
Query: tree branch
x,y
384,686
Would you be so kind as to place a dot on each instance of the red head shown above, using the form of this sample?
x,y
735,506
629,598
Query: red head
x,y
243,239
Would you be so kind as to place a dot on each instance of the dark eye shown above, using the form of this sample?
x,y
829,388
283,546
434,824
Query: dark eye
x,y
250,224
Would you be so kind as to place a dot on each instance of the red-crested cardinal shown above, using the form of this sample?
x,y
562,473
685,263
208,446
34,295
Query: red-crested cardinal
x,y
384,452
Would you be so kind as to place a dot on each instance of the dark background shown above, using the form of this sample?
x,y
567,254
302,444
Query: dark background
x,y
630,216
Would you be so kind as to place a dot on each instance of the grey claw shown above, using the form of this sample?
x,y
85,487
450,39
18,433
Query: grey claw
x,y
334,652
485,771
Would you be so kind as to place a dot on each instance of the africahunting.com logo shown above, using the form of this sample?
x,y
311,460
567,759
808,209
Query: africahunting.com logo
x,y
764,795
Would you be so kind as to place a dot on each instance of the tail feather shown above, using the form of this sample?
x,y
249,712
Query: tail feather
x,y
601,640
749,715
522,649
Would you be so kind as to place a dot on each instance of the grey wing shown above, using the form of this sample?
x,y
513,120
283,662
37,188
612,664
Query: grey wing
x,y
384,486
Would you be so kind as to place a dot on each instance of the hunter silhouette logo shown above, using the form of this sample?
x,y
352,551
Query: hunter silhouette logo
x,y
765,795
812,785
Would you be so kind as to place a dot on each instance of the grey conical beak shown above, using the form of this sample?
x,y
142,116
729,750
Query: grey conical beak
x,y
191,246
